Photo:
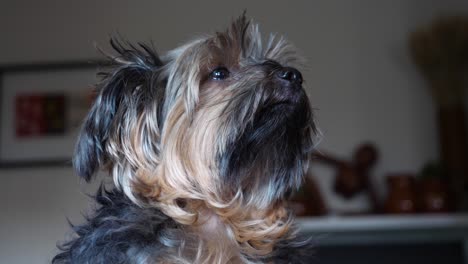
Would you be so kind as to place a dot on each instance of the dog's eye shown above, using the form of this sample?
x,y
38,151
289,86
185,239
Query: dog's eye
x,y
219,73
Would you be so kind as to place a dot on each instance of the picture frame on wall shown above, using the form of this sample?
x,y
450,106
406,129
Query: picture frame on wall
x,y
41,110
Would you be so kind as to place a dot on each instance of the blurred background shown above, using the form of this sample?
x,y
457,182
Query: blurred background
x,y
387,80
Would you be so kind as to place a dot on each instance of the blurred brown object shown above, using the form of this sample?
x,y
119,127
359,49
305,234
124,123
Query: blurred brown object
x,y
401,198
440,50
308,200
352,177
454,149
433,196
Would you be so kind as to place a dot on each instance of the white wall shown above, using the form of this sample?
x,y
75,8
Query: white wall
x,y
360,80
34,205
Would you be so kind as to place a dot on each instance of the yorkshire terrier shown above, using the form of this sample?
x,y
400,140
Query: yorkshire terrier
x,y
205,145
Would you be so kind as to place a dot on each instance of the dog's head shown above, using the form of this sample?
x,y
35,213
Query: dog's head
x,y
222,122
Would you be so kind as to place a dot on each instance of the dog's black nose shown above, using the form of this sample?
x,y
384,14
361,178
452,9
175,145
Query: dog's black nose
x,y
290,74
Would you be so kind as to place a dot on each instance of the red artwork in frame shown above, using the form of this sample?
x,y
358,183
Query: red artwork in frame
x,y
39,115
41,110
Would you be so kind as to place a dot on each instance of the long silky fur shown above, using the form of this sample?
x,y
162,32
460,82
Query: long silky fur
x,y
190,156
132,68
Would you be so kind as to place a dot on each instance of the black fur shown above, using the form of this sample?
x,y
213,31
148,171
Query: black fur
x,y
115,90
119,232
299,251
278,140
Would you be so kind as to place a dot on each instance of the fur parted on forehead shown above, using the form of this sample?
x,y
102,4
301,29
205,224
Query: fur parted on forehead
x,y
240,45
243,41
175,139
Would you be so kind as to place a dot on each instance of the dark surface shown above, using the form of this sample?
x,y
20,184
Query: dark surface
x,y
430,253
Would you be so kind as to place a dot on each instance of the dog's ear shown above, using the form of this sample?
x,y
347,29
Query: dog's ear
x,y
131,68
